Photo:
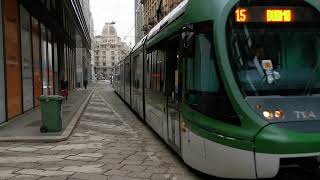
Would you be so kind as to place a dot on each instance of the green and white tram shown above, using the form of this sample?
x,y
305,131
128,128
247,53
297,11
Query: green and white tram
x,y
232,86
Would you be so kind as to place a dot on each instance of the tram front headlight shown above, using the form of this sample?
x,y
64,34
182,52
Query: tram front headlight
x,y
268,114
279,114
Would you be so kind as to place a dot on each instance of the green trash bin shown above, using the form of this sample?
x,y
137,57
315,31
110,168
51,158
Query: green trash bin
x,y
51,113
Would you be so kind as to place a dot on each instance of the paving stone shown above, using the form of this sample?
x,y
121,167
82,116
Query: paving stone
x,y
116,173
136,158
6,174
183,177
68,147
81,158
156,169
27,165
93,155
25,177
84,169
131,162
175,170
30,159
151,163
141,153
54,178
112,166
89,176
124,178
107,160
134,168
160,177
139,174
43,147
6,168
23,149
43,172
115,156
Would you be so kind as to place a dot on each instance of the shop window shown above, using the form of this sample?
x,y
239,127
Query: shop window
x,y
50,64
56,66
26,54
45,78
37,77
2,80
12,58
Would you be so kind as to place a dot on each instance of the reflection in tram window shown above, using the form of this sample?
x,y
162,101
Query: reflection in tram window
x,y
204,92
276,60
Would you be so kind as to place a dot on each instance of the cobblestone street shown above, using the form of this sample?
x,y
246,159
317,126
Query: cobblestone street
x,y
108,143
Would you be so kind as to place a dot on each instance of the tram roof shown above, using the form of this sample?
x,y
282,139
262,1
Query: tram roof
x,y
139,44
172,16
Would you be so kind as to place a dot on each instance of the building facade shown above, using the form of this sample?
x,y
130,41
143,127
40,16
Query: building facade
x,y
38,42
108,49
138,21
84,64
155,10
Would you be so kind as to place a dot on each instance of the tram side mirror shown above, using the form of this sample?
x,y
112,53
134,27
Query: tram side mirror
x,y
187,42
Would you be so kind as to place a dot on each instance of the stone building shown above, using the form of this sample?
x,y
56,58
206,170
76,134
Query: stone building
x,y
84,60
138,21
155,10
108,49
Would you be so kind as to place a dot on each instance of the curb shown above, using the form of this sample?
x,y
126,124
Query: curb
x,y
64,136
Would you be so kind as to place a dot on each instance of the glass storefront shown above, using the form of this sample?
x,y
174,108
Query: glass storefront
x,y
26,54
2,82
12,58
37,77
45,82
50,64
35,55
56,67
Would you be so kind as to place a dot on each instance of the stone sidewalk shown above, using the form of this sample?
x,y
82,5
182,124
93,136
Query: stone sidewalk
x,y
109,143
27,126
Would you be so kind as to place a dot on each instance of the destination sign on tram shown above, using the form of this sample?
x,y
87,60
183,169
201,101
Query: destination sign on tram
x,y
274,14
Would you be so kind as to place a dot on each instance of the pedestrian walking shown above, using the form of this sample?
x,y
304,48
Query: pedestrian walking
x,y
64,88
85,83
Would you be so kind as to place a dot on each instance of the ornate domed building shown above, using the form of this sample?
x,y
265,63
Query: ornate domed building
x,y
108,51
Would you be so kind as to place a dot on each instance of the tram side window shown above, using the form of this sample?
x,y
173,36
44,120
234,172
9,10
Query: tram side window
x,y
204,91
148,72
155,71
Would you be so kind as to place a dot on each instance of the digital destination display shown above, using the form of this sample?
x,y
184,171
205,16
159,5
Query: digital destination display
x,y
275,14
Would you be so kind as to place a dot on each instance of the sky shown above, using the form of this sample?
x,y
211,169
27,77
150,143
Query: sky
x,y
119,11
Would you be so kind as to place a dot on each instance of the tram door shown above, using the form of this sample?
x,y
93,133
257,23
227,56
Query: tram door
x,y
174,90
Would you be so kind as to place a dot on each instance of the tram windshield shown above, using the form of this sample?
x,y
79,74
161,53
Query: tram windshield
x,y
275,59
